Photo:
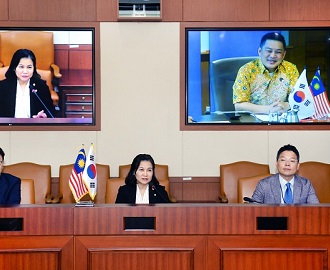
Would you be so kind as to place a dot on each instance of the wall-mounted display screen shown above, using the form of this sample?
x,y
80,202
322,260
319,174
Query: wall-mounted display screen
x,y
213,57
65,94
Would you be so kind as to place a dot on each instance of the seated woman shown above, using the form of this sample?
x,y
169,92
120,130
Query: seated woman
x,y
141,185
23,94
10,191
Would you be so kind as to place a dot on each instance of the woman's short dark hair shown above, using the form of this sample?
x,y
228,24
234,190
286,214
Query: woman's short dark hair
x,y
288,147
273,36
131,179
18,55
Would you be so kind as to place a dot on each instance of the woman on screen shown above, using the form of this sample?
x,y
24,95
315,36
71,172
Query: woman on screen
x,y
23,94
141,185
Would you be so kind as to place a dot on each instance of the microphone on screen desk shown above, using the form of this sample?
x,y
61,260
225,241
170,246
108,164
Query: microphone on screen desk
x,y
34,91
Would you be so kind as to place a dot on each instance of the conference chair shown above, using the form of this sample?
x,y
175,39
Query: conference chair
x,y
319,174
65,194
27,191
223,75
230,173
113,185
42,45
247,185
161,172
41,175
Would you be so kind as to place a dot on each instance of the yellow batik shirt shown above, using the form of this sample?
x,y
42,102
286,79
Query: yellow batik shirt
x,y
255,84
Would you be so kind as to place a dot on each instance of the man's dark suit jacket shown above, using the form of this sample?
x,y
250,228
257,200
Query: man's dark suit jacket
x,y
127,194
10,189
8,98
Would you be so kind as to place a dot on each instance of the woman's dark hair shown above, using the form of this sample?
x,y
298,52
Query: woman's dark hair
x,y
131,179
2,153
18,55
288,147
273,36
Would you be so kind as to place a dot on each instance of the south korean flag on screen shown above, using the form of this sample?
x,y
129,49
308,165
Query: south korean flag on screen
x,y
301,98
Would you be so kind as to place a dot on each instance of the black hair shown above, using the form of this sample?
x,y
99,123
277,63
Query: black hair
x,y
18,55
131,179
273,36
288,147
2,153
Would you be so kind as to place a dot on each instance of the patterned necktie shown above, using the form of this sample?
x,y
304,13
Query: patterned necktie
x,y
288,194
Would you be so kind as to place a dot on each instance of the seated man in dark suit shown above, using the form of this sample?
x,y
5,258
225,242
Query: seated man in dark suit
x,y
10,186
285,187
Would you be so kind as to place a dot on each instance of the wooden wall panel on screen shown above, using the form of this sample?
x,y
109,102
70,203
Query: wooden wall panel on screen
x,y
49,10
299,10
4,10
225,10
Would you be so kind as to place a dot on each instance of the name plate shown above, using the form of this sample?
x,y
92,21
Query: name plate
x,y
11,224
272,223
139,223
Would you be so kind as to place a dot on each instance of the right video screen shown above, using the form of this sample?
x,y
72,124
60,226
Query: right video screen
x,y
296,76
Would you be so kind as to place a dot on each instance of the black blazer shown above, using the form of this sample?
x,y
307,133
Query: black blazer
x,y
10,189
127,194
8,98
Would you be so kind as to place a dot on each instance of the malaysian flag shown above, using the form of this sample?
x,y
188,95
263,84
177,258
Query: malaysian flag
x,y
321,101
76,184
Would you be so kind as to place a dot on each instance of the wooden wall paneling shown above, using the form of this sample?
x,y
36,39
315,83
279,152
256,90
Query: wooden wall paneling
x,y
172,10
299,10
61,56
81,58
268,252
106,10
225,10
37,252
57,11
4,10
140,252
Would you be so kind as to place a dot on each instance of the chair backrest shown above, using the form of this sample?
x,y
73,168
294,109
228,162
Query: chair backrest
x,y
247,185
230,173
103,173
41,43
161,171
319,174
223,75
113,185
27,191
41,174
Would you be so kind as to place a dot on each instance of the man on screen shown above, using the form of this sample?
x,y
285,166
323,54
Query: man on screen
x,y
263,85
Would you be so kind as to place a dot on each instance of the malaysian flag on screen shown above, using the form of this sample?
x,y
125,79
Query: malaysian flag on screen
x,y
76,184
321,101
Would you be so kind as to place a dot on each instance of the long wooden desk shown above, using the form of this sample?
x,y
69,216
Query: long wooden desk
x,y
175,236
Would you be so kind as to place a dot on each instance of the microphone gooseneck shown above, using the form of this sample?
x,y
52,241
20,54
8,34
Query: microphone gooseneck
x,y
34,91
153,187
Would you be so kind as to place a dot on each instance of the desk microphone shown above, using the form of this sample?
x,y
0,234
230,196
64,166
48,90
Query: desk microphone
x,y
153,187
34,91
250,200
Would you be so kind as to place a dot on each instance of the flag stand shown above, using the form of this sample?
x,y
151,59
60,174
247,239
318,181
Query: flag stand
x,y
84,204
